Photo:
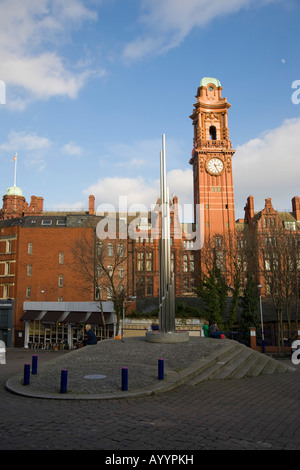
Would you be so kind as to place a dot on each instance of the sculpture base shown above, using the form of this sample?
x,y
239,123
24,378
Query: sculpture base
x,y
169,337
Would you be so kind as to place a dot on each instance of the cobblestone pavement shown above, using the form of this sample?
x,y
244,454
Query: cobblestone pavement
x,y
259,413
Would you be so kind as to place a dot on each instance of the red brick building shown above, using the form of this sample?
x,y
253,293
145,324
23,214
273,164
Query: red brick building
x,y
54,268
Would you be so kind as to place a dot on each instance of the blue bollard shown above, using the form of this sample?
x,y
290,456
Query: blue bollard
x,y
34,365
63,381
124,378
26,379
161,369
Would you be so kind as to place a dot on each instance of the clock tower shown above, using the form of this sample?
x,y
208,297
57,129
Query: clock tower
x,y
212,160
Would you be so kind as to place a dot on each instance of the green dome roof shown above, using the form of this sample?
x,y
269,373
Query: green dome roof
x,y
206,80
14,191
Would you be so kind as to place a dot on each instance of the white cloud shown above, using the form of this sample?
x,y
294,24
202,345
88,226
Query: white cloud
x,y
72,149
31,33
136,191
18,141
269,166
168,22
117,193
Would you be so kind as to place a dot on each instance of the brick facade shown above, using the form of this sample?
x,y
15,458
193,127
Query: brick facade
x,y
58,257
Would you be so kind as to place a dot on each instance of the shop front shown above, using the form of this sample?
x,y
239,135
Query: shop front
x,y
57,325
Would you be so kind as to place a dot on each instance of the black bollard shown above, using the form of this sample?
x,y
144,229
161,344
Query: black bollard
x,y
26,379
34,365
63,381
124,379
160,369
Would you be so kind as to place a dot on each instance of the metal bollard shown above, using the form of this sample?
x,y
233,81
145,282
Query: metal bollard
x,y
63,381
26,379
124,378
34,364
161,369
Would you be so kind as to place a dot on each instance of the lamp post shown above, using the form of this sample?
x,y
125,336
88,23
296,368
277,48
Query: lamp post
x,y
262,322
45,291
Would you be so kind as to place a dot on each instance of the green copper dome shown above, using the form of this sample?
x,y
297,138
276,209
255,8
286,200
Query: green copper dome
x,y
206,80
14,191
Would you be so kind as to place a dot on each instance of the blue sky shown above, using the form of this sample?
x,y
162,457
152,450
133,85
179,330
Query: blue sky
x,y
91,86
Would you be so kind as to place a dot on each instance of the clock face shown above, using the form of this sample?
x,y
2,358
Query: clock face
x,y
215,166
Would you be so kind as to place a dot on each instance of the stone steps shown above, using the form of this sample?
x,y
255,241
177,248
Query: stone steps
x,y
235,362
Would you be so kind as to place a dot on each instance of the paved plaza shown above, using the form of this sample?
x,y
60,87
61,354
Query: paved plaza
x,y
260,413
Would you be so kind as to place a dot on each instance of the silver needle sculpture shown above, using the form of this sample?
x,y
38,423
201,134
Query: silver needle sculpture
x,y
167,331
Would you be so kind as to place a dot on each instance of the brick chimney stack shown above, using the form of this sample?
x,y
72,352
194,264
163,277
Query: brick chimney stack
x,y
296,207
91,205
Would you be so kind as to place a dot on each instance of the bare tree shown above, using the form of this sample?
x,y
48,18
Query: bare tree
x,y
102,263
272,254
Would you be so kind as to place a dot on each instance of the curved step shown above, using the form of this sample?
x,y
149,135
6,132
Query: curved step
x,y
236,362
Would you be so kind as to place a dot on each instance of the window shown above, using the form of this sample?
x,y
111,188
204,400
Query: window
x,y
110,249
29,269
60,280
99,292
140,262
267,265
212,133
8,246
28,292
192,266
61,258
149,286
218,241
109,293
7,268
46,222
99,249
6,291
110,271
149,261
121,271
99,271
121,251
185,263
29,249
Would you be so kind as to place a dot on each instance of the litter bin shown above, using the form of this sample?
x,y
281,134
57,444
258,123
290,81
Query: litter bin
x,y
2,353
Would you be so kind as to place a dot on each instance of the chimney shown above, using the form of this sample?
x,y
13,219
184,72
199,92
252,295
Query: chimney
x,y
296,207
249,209
91,205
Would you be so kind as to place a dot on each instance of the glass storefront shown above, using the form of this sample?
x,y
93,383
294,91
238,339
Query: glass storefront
x,y
61,335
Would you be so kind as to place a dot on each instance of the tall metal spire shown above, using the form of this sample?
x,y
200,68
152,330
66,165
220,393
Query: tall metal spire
x,y
167,332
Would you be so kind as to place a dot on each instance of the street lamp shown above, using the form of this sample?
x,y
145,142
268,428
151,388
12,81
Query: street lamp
x,y
45,291
262,323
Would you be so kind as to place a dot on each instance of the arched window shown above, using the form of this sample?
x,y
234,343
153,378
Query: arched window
x,y
213,133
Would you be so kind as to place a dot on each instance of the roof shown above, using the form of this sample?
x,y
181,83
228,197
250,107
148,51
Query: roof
x,y
206,80
14,191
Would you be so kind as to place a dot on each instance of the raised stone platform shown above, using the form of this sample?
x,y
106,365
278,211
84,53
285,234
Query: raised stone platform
x,y
168,337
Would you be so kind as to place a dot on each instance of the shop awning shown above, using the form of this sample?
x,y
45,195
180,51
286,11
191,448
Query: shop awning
x,y
31,315
70,317
75,317
95,318
51,317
